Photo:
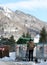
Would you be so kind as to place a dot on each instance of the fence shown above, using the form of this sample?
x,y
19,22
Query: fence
x,y
41,51
21,50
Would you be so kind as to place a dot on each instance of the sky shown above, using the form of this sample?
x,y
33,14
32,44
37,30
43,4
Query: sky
x,y
37,8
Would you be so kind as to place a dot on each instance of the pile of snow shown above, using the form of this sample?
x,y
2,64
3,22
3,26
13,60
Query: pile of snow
x,y
6,59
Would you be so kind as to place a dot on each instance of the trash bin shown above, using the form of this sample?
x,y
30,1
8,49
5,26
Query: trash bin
x,y
21,51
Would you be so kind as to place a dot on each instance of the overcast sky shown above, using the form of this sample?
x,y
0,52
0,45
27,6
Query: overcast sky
x,y
37,8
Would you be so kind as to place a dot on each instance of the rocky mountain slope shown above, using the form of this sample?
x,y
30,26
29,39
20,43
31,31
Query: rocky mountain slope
x,y
15,23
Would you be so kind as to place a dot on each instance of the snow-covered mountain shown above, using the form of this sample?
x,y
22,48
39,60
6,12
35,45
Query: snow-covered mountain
x,y
6,11
15,23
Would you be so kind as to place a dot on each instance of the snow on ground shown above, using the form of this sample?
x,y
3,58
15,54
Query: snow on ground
x,y
42,63
10,58
22,63
16,63
13,57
